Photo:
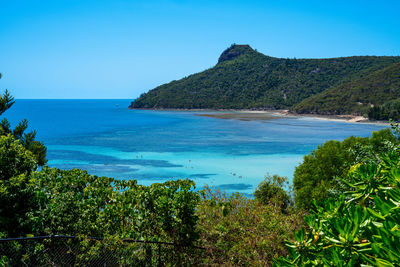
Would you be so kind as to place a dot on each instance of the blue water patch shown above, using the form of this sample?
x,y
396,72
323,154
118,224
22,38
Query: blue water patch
x,y
106,159
106,138
201,175
235,187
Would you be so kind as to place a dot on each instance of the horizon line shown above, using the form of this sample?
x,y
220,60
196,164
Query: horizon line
x,y
74,98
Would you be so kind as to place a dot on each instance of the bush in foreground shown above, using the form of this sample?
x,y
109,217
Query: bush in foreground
x,y
316,178
361,228
237,231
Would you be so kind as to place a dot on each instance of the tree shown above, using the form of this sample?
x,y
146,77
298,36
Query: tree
x,y
270,191
74,202
16,187
315,178
27,139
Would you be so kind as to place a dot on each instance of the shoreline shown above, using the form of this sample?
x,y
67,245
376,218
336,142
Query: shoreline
x,y
268,114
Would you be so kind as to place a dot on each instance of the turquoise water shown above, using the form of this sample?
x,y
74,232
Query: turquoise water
x,y
106,138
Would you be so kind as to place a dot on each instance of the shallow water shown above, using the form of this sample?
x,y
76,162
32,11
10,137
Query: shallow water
x,y
106,138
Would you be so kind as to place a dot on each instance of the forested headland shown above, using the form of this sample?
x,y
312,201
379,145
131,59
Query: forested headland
x,y
246,79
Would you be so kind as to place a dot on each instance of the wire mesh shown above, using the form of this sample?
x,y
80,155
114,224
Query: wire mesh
x,y
77,251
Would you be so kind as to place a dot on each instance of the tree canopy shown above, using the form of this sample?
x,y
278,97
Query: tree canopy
x,y
388,111
315,177
362,96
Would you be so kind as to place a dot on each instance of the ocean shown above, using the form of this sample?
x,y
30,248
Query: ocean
x,y
106,138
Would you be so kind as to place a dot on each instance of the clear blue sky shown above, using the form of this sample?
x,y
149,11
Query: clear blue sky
x,y
119,49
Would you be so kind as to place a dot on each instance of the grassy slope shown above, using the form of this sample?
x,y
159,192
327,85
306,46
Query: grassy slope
x,y
357,96
249,79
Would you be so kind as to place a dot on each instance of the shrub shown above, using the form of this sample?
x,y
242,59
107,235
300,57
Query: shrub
x,y
360,228
239,231
315,178
271,191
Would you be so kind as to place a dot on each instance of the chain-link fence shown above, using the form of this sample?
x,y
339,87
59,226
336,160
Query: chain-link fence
x,y
89,251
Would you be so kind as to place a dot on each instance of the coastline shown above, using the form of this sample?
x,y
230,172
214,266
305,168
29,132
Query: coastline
x,y
268,114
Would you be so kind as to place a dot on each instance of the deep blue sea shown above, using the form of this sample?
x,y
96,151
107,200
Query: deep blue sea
x,y
107,139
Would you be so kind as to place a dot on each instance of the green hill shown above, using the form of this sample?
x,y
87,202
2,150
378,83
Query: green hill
x,y
357,96
245,78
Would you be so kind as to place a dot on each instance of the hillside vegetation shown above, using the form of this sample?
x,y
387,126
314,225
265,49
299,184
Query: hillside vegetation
x,y
357,96
389,110
244,79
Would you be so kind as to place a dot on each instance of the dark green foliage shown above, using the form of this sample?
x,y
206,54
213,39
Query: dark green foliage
x,y
72,202
27,139
358,96
14,158
315,178
16,164
244,78
75,202
6,101
388,111
362,229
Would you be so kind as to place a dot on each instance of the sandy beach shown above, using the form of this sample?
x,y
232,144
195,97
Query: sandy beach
x,y
247,115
